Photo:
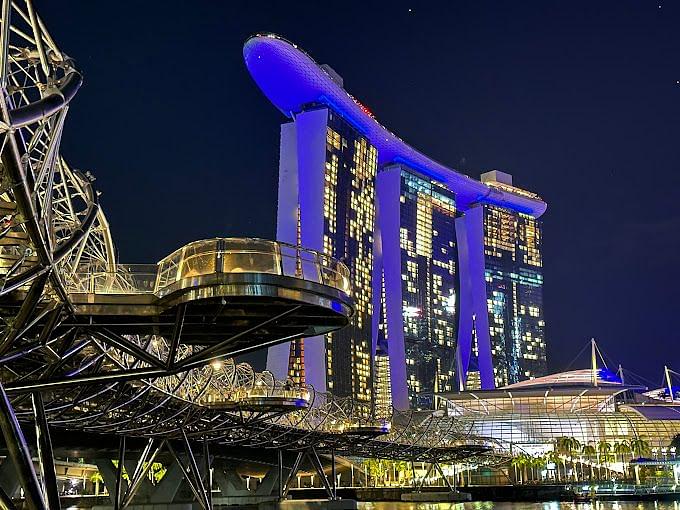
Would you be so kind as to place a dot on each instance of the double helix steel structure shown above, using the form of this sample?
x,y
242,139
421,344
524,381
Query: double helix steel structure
x,y
145,351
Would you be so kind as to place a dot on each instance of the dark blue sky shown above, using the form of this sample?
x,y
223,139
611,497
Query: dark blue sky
x,y
579,100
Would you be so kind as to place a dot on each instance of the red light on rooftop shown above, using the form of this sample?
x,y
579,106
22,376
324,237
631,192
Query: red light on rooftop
x,y
364,109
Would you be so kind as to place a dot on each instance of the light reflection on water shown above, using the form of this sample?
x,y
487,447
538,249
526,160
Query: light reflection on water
x,y
552,505
489,505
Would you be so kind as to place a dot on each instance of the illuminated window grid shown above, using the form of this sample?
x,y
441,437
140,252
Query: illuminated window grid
x,y
296,355
427,241
383,392
382,324
512,249
296,361
350,174
545,416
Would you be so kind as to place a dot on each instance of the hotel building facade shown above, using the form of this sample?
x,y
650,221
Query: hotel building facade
x,y
446,269
418,264
514,282
327,200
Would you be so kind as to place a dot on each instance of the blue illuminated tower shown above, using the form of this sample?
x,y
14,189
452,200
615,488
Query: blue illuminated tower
x,y
452,264
418,259
514,281
327,201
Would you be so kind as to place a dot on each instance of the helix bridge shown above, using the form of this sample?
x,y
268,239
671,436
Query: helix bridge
x,y
145,351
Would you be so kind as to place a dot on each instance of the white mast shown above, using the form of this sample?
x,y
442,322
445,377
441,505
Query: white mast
x,y
667,373
593,361
621,376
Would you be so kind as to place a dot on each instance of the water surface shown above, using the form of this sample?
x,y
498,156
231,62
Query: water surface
x,y
553,505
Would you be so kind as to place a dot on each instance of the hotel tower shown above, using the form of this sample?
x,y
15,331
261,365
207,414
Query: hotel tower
x,y
327,202
446,270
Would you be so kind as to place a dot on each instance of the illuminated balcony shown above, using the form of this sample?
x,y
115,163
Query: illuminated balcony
x,y
220,289
205,258
369,428
261,398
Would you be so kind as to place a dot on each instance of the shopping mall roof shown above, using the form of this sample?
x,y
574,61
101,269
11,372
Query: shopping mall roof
x,y
582,377
293,81
565,386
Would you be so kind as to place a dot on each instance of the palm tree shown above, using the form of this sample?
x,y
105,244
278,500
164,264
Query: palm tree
x,y
96,478
526,467
400,466
518,462
562,449
603,449
372,469
157,472
535,462
575,444
622,449
569,445
575,447
554,458
639,446
589,450
542,462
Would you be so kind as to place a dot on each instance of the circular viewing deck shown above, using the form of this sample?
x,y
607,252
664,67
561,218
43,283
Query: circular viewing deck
x,y
254,291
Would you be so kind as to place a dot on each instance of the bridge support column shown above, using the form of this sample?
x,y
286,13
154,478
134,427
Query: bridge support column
x,y
167,489
334,478
140,470
19,454
446,481
108,472
279,465
268,484
318,467
452,495
9,481
45,453
208,473
230,484
291,476
118,494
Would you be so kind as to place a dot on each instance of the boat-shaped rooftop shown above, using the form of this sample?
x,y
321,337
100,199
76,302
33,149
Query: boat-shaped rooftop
x,y
293,81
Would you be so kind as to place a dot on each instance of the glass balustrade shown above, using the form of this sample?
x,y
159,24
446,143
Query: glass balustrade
x,y
127,279
208,257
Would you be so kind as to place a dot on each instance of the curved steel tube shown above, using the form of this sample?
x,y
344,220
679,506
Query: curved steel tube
x,y
48,105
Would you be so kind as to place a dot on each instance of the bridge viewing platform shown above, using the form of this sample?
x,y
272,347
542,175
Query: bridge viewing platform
x,y
219,289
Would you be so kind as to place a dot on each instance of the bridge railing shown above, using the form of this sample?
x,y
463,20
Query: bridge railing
x,y
213,256
250,255
127,279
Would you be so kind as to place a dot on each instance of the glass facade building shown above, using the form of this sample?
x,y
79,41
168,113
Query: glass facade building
x,y
349,217
383,386
419,263
532,415
514,284
327,199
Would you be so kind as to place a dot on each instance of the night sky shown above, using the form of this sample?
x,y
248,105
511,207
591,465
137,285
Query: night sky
x,y
579,100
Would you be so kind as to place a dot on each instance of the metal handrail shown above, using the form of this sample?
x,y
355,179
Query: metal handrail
x,y
211,256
